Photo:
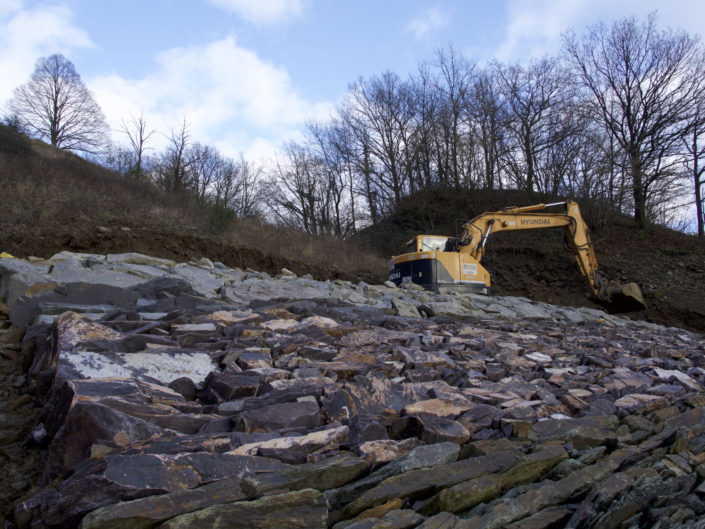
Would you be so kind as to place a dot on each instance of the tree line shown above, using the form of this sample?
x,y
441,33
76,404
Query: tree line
x,y
616,118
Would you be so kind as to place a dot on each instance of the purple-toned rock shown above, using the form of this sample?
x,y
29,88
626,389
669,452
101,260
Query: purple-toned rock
x,y
104,481
285,416
229,386
304,509
254,359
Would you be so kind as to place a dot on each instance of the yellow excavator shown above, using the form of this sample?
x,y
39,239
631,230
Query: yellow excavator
x,y
434,261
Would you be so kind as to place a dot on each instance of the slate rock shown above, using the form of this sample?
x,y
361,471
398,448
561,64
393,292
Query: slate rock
x,y
304,509
421,457
447,409
100,482
163,287
254,359
505,511
331,436
386,450
76,292
545,519
418,484
582,433
228,386
88,423
485,487
284,416
442,520
145,513
364,428
397,519
184,386
328,474
271,394
438,430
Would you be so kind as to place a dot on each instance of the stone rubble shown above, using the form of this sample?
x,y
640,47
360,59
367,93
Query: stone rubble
x,y
195,395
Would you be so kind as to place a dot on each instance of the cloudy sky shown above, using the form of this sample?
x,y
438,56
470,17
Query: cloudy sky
x,y
246,75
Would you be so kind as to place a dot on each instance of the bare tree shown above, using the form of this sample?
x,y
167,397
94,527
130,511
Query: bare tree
x,y
644,85
56,106
426,108
488,118
328,147
380,114
535,100
453,85
138,134
204,163
173,170
235,187
697,169
296,190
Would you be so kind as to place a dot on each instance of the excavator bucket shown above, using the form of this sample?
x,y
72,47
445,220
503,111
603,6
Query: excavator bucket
x,y
618,298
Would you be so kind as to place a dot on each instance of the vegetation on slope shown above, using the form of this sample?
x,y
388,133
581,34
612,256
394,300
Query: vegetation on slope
x,y
56,201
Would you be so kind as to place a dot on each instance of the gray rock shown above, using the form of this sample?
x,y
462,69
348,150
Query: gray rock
x,y
418,483
328,474
422,457
305,509
284,416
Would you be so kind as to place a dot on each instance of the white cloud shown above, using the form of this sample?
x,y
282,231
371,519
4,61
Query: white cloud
x,y
262,11
29,33
426,22
229,97
534,27
7,6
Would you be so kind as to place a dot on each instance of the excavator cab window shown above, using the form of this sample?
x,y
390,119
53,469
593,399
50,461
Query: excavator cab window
x,y
434,244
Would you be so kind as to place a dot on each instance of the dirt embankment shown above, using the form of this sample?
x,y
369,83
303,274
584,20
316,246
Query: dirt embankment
x,y
669,267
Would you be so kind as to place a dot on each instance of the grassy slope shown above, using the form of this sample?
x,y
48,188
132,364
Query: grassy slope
x,y
55,201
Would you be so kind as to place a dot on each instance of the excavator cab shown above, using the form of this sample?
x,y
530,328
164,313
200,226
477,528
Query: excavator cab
x,y
434,261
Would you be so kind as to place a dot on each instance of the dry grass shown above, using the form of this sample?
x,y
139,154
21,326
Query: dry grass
x,y
54,200
339,258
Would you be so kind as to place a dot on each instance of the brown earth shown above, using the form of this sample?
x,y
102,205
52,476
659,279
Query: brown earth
x,y
669,267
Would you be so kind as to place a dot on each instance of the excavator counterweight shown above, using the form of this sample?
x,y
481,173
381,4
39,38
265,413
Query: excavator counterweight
x,y
434,261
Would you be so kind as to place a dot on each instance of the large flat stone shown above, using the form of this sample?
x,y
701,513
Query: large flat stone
x,y
101,482
305,509
328,474
284,416
418,484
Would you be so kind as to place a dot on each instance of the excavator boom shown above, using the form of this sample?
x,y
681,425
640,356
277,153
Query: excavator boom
x,y
435,261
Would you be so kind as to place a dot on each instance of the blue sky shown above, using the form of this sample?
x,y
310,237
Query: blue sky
x,y
247,74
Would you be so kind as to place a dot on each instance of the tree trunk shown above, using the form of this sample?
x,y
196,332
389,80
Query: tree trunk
x,y
699,200
638,192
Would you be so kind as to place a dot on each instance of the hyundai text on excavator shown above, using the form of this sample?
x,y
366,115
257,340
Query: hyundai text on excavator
x,y
434,261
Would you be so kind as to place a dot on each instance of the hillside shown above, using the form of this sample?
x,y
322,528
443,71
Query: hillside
x,y
669,266
55,201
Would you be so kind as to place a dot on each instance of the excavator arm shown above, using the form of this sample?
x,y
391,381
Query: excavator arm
x,y
429,259
477,231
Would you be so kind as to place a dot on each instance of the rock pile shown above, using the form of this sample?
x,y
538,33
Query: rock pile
x,y
194,395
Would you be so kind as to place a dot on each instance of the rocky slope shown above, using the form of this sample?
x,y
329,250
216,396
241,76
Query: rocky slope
x,y
195,395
